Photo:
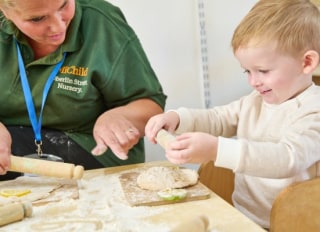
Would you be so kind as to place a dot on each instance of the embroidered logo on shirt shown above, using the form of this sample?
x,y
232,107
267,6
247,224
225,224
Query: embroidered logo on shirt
x,y
77,71
75,82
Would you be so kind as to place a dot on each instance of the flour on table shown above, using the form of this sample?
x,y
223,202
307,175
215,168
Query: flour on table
x,y
160,178
101,207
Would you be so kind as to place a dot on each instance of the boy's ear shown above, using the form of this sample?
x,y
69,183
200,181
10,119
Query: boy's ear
x,y
310,61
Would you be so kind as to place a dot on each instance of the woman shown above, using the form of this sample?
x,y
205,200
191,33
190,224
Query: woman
x,y
75,81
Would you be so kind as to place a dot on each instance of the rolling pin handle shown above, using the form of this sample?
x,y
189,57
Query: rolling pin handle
x,y
14,212
27,208
78,172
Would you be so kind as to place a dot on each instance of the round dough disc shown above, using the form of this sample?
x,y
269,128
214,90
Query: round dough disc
x,y
160,178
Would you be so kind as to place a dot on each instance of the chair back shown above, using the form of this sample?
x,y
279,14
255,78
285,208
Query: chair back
x,y
219,180
297,208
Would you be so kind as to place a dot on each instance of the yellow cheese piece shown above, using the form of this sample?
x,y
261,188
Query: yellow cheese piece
x,y
14,192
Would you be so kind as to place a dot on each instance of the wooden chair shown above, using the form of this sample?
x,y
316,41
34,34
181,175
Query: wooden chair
x,y
296,208
316,79
219,180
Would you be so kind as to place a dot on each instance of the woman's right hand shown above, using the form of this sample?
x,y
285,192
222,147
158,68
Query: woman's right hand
x,y
168,121
5,149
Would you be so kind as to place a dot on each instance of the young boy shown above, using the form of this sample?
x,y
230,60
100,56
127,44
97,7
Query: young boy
x,y
271,137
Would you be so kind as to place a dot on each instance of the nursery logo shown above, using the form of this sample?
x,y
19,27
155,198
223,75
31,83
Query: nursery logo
x,y
73,81
73,70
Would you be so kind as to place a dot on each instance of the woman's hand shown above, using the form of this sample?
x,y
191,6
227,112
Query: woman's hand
x,y
5,149
121,128
115,131
192,147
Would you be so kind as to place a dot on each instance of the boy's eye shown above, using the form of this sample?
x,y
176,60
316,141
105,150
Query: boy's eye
x,y
263,71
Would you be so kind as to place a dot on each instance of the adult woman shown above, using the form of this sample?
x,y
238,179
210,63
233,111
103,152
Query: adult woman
x,y
103,93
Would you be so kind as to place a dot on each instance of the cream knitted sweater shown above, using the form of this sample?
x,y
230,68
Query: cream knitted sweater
x,y
267,146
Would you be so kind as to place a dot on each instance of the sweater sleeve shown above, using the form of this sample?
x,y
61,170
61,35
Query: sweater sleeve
x,y
260,139
229,152
218,121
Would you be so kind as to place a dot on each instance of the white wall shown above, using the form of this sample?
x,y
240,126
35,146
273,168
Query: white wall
x,y
170,34
228,81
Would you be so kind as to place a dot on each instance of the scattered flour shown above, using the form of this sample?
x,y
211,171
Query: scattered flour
x,y
101,207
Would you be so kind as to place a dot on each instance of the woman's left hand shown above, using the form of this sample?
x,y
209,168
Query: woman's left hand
x,y
113,130
121,128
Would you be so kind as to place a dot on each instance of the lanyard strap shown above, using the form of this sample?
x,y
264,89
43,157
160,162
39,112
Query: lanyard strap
x,y
36,124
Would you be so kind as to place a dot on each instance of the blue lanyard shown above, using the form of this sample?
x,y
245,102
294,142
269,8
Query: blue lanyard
x,y
36,124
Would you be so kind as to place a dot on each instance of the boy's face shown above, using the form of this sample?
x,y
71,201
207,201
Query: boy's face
x,y
276,76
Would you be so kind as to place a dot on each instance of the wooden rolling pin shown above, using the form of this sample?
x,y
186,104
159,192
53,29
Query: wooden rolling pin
x,y
14,212
164,137
46,168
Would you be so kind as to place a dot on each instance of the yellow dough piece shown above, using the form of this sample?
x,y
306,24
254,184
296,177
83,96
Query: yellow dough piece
x,y
14,192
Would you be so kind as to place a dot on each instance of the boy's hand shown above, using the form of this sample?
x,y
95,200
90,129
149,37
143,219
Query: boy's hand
x,y
195,147
168,121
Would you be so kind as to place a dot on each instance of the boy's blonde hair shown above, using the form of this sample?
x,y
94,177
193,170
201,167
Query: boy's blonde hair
x,y
293,24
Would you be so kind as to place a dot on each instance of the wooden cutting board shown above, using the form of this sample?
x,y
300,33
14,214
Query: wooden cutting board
x,y
141,197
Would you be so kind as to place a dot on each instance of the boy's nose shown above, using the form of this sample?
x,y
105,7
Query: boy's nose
x,y
254,81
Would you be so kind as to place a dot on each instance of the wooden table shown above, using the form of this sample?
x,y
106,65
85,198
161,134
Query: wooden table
x,y
102,207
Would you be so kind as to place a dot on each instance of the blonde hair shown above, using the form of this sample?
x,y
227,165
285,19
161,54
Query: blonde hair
x,y
293,24
7,3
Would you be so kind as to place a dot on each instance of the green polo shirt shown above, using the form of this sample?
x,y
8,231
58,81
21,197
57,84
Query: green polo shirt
x,y
105,67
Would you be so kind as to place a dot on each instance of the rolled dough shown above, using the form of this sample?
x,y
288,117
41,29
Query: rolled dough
x,y
41,188
160,178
